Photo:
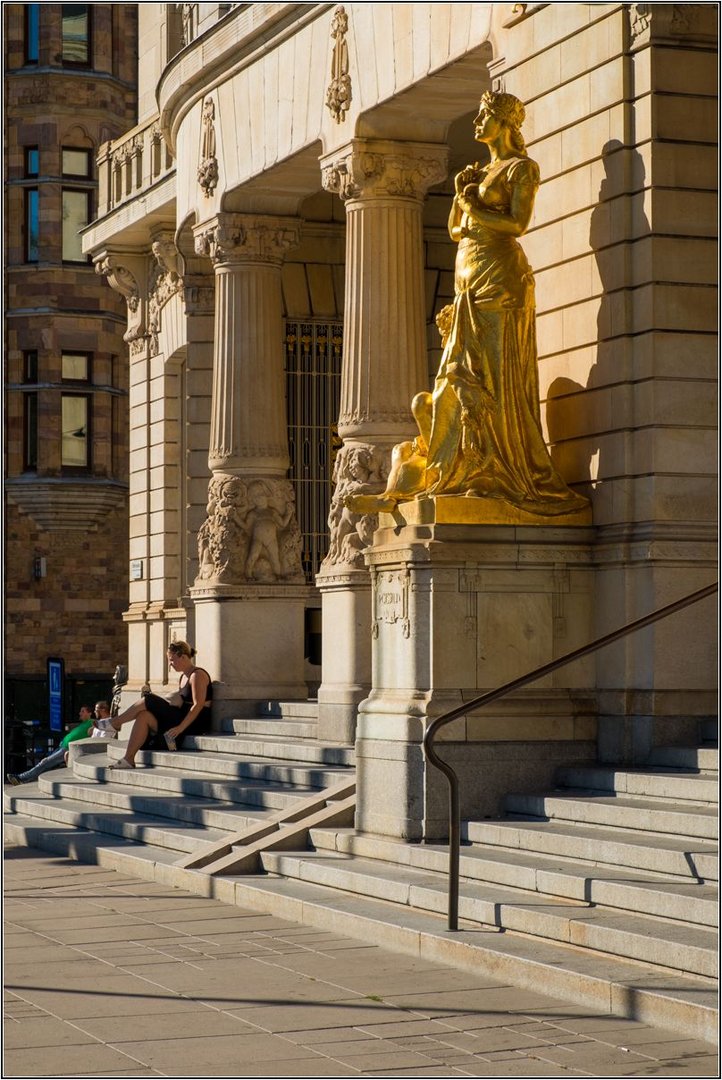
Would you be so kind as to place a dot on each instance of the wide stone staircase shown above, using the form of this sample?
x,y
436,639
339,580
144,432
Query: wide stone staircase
x,y
603,891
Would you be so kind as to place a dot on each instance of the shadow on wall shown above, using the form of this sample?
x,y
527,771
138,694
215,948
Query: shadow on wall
x,y
584,421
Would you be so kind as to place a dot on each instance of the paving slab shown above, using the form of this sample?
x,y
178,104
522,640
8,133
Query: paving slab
x,y
158,982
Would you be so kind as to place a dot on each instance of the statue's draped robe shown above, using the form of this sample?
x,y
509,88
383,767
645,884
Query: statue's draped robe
x,y
486,434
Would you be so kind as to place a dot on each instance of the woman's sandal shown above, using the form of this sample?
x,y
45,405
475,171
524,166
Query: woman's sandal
x,y
122,764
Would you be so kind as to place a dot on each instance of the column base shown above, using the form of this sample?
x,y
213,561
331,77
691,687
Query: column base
x,y
252,642
346,660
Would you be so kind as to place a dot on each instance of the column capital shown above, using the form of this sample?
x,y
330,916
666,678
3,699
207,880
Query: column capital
x,y
238,238
382,168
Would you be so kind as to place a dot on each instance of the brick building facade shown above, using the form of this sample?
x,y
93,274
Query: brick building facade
x,y
70,73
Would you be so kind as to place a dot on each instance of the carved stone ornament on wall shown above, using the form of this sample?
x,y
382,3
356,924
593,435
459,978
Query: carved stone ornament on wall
x,y
364,172
124,281
208,165
250,534
359,469
164,282
338,95
248,236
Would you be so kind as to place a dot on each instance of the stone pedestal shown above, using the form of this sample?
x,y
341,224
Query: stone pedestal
x,y
458,610
249,639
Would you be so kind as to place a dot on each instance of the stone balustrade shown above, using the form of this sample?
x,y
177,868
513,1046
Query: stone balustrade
x,y
131,164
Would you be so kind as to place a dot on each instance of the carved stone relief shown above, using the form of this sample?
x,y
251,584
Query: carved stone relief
x,y
359,469
366,170
164,281
250,534
338,95
234,237
124,281
208,165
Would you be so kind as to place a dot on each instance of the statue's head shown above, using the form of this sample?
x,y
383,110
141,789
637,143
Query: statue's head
x,y
508,110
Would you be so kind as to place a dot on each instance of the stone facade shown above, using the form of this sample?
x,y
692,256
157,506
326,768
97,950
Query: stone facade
x,y
344,132
66,527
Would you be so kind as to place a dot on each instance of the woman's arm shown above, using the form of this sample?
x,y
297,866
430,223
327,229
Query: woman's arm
x,y
471,174
513,222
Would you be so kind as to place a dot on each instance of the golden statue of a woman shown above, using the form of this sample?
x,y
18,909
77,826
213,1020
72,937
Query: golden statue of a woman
x,y
484,439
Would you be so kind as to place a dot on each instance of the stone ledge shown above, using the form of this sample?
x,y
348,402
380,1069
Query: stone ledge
x,y
74,504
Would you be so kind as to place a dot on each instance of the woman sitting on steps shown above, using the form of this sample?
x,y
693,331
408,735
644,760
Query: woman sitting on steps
x,y
153,715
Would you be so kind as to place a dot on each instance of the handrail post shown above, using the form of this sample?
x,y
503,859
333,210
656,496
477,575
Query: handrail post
x,y
501,691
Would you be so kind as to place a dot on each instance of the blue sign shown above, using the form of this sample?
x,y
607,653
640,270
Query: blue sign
x,y
56,679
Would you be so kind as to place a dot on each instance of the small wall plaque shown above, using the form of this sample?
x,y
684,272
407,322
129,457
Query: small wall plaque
x,y
136,569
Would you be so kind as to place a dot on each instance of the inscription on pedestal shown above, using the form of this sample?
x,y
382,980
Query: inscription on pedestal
x,y
391,601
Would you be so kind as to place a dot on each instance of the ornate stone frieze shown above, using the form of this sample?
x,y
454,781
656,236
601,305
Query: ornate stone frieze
x,y
374,168
250,534
359,469
247,237
660,22
338,95
208,164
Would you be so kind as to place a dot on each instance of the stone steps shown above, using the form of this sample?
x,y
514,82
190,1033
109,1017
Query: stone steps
x,y
609,913
581,807
228,757
685,757
657,853
159,801
674,1001
285,728
177,774
278,747
653,941
654,783
614,887
116,821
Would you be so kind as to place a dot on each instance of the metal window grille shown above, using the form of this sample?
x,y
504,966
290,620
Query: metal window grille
x,y
313,387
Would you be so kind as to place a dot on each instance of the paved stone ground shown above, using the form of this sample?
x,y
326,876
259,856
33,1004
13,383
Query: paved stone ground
x,y
107,975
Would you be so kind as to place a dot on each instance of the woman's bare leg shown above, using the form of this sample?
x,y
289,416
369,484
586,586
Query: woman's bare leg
x,y
145,722
130,714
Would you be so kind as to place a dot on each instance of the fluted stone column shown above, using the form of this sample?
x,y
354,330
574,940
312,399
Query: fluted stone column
x,y
249,593
383,185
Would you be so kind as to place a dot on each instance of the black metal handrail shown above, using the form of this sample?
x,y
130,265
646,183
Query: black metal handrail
x,y
501,691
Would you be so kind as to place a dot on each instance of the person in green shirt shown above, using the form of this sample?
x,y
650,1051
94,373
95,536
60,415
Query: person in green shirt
x,y
59,756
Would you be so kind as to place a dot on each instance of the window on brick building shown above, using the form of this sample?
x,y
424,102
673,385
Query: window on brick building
x,y
75,418
31,211
77,162
30,411
75,367
77,202
32,224
32,33
76,215
32,161
76,34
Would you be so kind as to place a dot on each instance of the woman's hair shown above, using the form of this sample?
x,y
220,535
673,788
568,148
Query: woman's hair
x,y
510,111
181,648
